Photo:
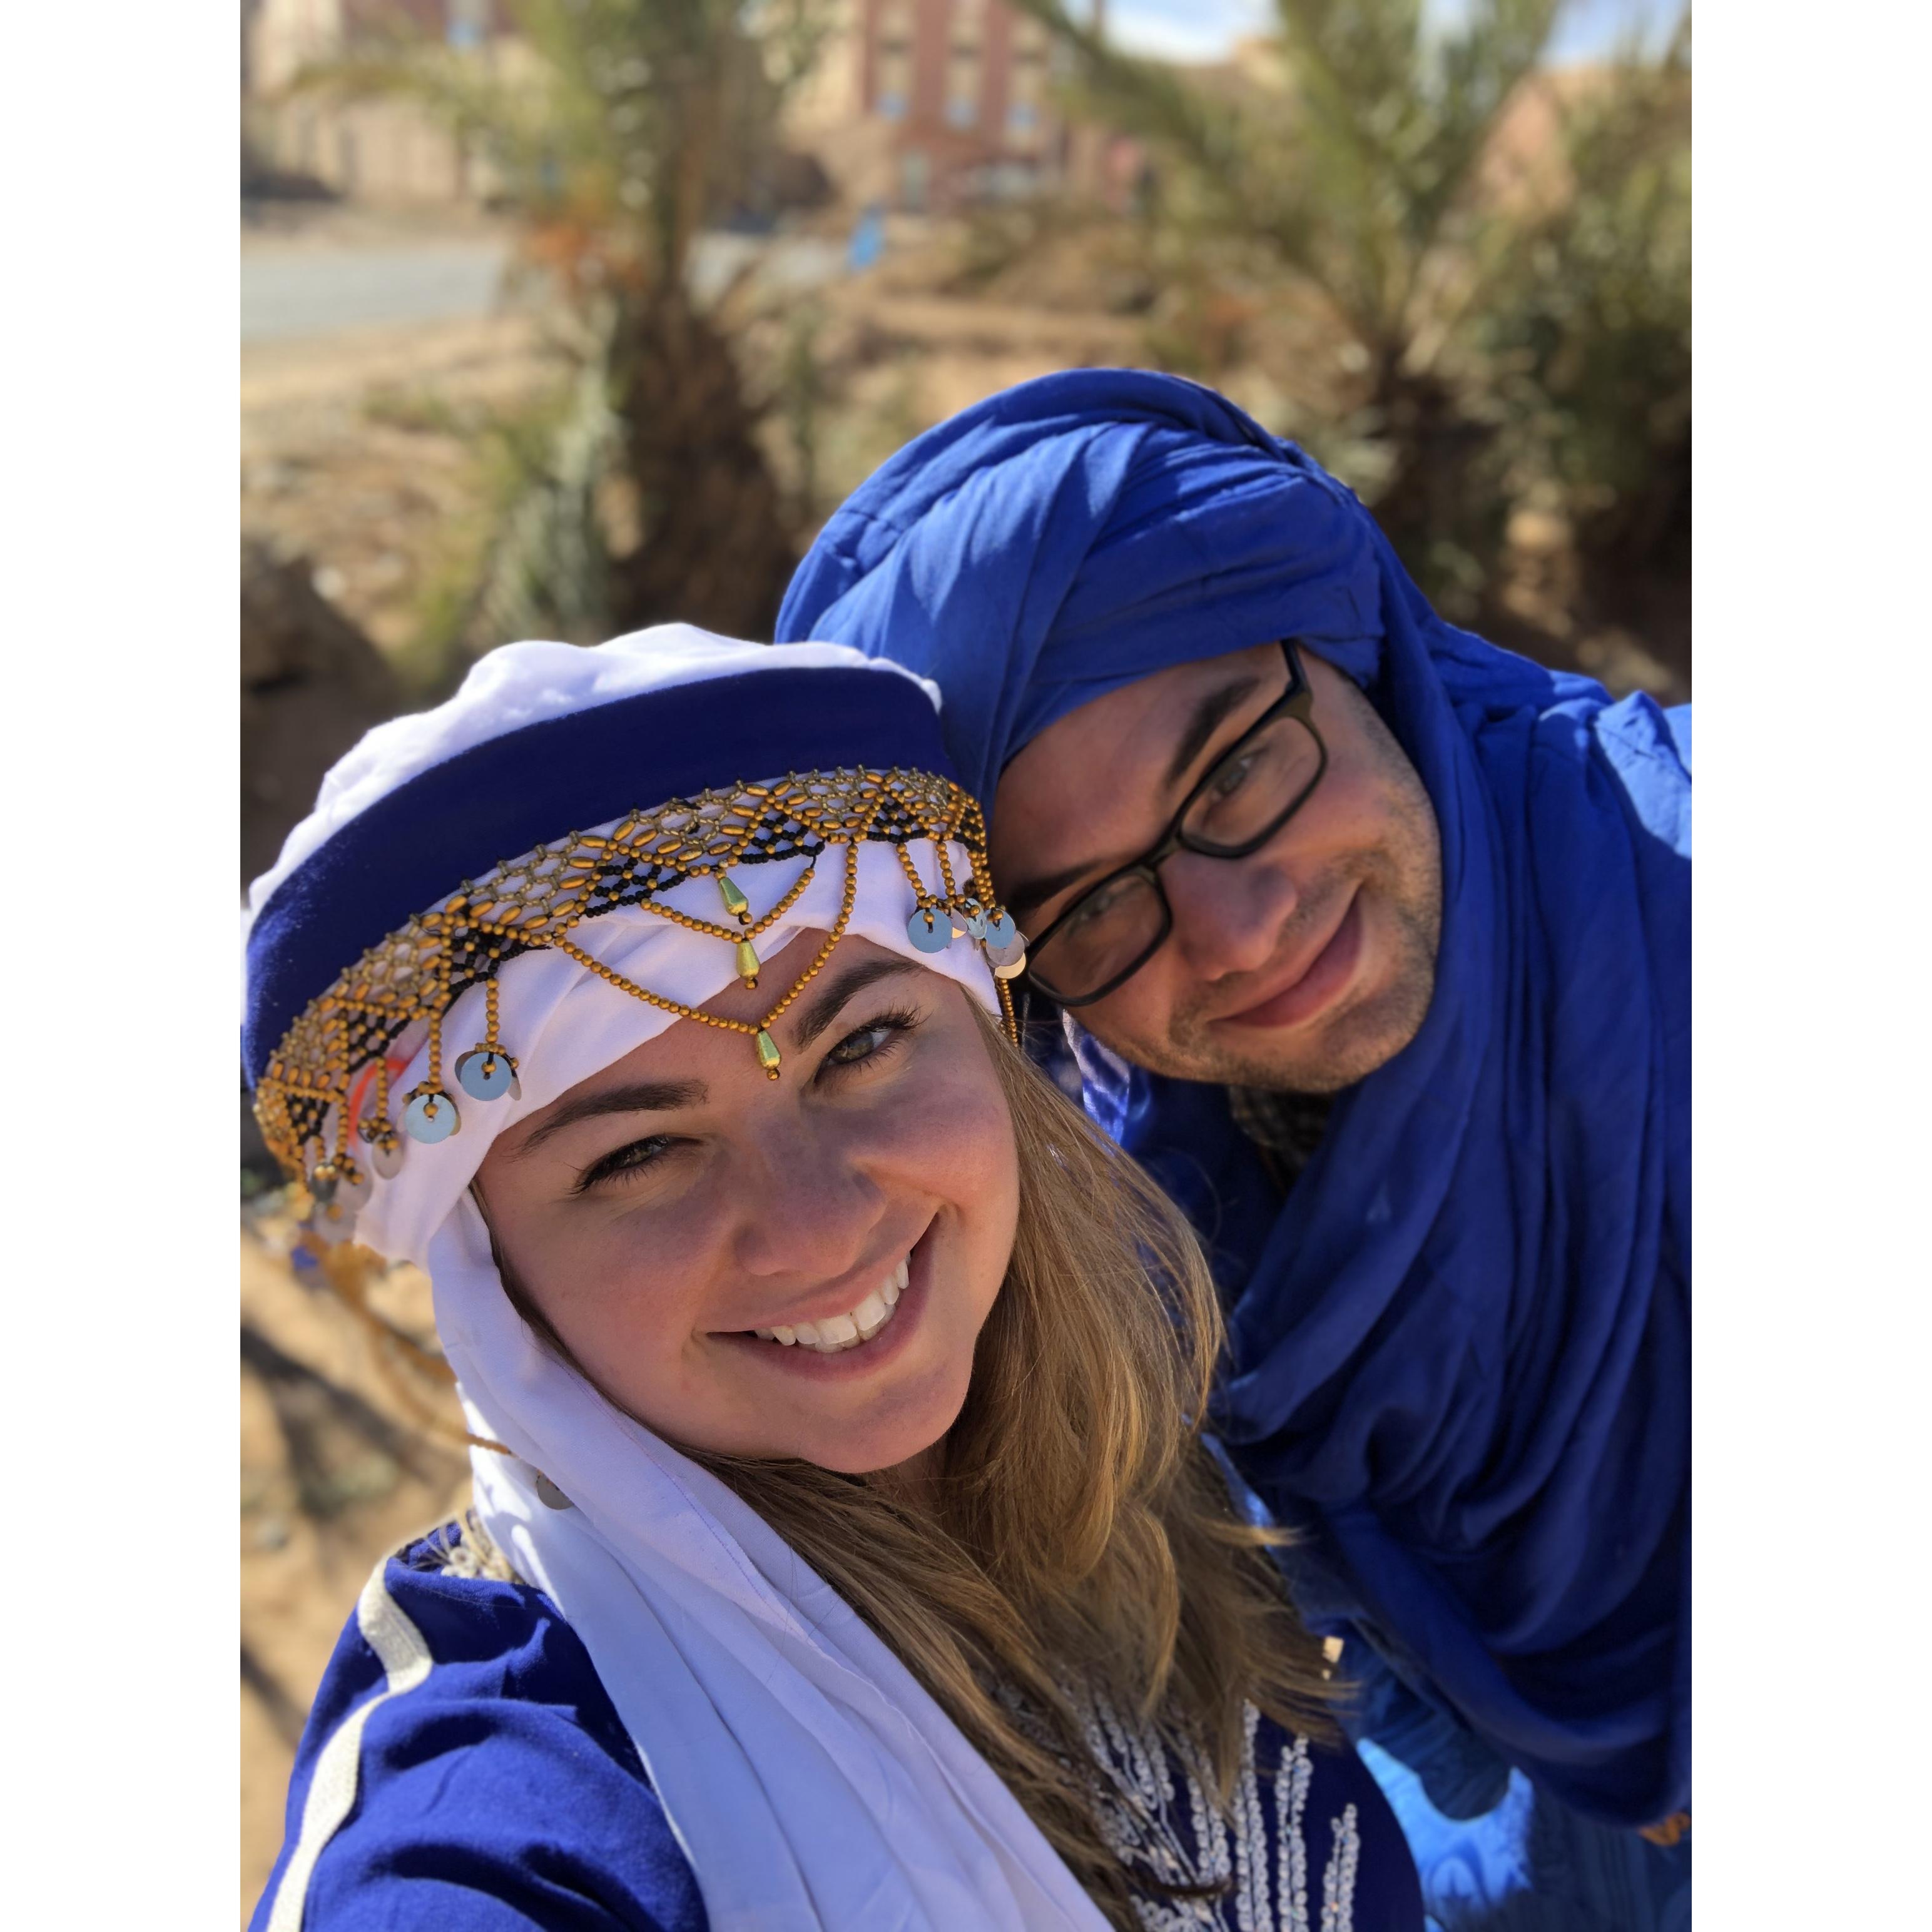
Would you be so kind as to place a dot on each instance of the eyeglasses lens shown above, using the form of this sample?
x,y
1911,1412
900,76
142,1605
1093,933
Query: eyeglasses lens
x,y
1266,775
1103,935
1107,932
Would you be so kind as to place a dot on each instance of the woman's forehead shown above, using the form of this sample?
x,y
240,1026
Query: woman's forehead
x,y
688,1050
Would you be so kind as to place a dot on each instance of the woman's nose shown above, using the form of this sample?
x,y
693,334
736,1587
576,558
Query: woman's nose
x,y
808,1207
1228,912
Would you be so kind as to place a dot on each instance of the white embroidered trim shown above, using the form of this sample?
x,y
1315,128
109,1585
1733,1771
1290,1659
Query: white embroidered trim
x,y
1291,1797
405,1659
1338,1882
475,1556
1141,1812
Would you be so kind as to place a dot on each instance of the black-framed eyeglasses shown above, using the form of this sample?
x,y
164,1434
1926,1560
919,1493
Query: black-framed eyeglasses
x,y
1115,927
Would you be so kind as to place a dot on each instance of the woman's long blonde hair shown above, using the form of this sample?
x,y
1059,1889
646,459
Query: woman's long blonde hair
x,y
1081,1537
1078,1539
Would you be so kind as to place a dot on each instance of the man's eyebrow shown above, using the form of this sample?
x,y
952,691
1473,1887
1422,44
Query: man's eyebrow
x,y
646,1096
1208,718
823,1008
1038,892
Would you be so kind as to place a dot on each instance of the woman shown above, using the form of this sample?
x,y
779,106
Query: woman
x,y
936,1615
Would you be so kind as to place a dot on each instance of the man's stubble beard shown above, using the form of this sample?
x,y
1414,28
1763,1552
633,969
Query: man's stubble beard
x,y
1404,874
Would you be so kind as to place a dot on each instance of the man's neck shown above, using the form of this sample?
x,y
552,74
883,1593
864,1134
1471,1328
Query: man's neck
x,y
1286,1127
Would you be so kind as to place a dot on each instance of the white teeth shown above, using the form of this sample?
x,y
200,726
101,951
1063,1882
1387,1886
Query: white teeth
x,y
833,1333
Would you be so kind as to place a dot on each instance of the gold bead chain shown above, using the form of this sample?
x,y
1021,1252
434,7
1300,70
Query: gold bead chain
x,y
536,902
757,926
768,1052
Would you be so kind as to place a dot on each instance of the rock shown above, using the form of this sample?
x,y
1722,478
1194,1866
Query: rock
x,y
311,685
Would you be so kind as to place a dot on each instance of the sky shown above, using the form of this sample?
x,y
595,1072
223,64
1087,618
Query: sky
x,y
1204,30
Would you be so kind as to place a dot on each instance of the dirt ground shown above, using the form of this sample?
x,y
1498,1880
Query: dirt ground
x,y
362,449
336,1470
354,453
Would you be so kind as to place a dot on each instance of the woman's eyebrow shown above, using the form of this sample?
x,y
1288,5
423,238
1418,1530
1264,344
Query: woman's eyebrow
x,y
821,1012
648,1096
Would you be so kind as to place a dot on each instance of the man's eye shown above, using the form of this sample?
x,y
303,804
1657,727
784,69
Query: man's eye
x,y
1099,902
1230,778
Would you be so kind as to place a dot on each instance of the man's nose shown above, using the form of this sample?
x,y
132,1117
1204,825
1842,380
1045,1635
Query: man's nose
x,y
1228,912
808,1209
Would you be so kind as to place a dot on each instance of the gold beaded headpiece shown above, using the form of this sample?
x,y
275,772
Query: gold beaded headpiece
x,y
324,1101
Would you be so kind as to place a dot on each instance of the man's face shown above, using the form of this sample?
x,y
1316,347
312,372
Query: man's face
x,y
1304,966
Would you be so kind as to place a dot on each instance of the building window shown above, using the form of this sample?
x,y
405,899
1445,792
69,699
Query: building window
x,y
467,24
1027,96
895,30
895,76
962,84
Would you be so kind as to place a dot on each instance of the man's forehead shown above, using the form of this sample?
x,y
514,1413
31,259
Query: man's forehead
x,y
1137,723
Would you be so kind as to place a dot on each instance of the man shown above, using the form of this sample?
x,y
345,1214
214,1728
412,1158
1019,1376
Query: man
x,y
1374,942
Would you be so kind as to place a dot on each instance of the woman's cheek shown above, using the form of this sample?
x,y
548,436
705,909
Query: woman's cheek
x,y
960,1150
950,1132
618,1288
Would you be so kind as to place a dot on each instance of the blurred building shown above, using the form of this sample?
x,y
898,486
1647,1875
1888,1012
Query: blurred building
x,y
919,104
390,151
912,104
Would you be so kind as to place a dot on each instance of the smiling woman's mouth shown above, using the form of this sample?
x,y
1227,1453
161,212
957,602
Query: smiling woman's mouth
x,y
834,1333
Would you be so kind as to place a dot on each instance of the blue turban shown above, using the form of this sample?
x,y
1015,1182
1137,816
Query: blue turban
x,y
1460,1349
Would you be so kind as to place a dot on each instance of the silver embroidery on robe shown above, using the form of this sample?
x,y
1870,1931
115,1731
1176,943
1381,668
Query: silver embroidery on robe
x,y
1158,1814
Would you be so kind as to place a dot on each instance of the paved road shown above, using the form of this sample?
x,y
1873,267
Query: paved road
x,y
319,290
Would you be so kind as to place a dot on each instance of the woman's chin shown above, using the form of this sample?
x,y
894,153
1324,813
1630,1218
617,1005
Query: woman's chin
x,y
851,1431
884,1442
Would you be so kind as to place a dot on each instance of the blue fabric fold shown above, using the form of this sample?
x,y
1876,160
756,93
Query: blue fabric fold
x,y
1459,1349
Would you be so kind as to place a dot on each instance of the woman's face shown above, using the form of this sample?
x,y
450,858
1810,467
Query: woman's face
x,y
665,1212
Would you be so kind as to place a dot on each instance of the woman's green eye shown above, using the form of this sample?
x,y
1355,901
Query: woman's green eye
x,y
623,1160
872,1041
860,1046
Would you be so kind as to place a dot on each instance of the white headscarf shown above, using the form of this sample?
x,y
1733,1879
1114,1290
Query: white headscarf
x,y
812,1781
